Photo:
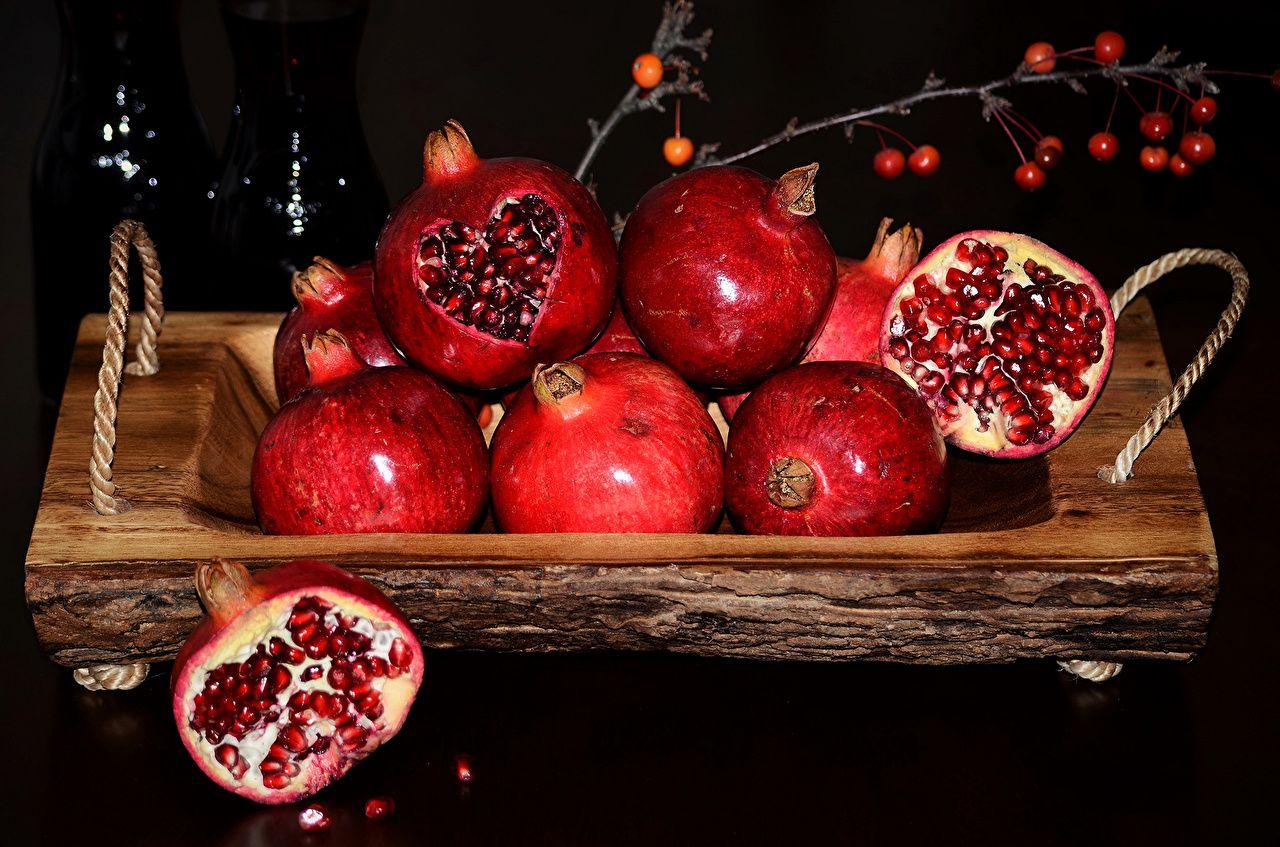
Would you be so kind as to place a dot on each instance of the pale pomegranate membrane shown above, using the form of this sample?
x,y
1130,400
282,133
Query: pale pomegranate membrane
x,y
1008,341
314,684
498,279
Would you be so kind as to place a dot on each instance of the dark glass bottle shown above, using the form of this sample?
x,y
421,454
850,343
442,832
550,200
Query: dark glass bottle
x,y
123,139
297,177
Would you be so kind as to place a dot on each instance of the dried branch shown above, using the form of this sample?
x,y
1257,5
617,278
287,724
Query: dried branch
x,y
1161,65
668,42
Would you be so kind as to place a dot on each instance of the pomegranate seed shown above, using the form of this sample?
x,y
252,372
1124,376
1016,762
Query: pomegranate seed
x,y
462,766
400,654
379,807
314,818
276,781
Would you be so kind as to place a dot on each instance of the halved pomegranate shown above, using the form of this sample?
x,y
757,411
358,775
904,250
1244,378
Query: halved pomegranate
x,y
296,674
330,297
1008,340
492,266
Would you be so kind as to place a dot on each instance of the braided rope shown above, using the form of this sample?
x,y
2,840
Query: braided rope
x,y
1122,470
105,402
126,233
1123,467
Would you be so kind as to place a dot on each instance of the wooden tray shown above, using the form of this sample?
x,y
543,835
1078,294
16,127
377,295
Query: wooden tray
x,y
1037,559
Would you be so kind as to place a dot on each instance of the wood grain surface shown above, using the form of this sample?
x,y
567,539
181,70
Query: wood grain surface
x,y
1037,558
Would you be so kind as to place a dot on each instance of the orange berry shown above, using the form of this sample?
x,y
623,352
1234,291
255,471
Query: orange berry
x,y
646,70
677,150
1040,57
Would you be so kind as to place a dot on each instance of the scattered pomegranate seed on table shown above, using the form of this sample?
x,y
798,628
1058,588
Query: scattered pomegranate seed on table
x,y
314,818
379,808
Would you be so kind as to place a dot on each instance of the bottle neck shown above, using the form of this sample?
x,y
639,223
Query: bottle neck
x,y
122,40
296,62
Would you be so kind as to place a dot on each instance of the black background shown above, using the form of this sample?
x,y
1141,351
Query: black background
x,y
653,749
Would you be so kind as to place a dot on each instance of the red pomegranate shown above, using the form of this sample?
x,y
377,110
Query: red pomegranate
x,y
295,674
852,330
725,274
836,448
610,442
492,266
369,450
1008,340
617,336
330,297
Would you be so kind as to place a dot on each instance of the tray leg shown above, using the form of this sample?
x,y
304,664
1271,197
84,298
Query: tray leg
x,y
111,677
1093,671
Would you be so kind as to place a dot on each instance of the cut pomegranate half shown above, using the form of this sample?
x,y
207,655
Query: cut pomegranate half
x,y
292,678
1009,341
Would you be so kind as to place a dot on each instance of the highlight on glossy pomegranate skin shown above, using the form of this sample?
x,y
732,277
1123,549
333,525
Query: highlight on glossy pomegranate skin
x,y
609,442
836,449
852,329
330,297
1008,340
295,674
725,275
369,450
492,266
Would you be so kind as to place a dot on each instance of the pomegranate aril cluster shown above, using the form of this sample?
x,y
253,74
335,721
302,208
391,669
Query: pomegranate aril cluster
x,y
495,280
1045,335
327,661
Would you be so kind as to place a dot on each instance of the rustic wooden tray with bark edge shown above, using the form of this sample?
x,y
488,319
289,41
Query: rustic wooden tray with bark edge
x,y
1037,559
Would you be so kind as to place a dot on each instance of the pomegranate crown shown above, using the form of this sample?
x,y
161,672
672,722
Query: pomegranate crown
x,y
329,357
322,282
558,383
893,254
447,153
225,588
791,201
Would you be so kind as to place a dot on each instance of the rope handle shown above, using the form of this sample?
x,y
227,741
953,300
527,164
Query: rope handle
x,y
1122,470
126,234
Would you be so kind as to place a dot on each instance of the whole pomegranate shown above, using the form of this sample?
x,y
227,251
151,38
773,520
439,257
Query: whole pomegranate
x,y
330,297
836,448
610,442
617,336
295,674
725,274
369,450
492,266
852,330
1009,341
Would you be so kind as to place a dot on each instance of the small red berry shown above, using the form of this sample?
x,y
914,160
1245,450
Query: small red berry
x,y
646,70
1040,57
379,808
1052,141
924,160
1029,176
1153,158
677,150
1108,47
1046,156
889,163
1156,126
1197,147
314,818
1179,166
1204,110
1103,146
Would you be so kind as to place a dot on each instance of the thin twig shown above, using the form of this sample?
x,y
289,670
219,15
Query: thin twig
x,y
1159,66
668,42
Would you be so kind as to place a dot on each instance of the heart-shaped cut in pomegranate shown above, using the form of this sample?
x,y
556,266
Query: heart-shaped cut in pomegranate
x,y
493,266
1007,339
